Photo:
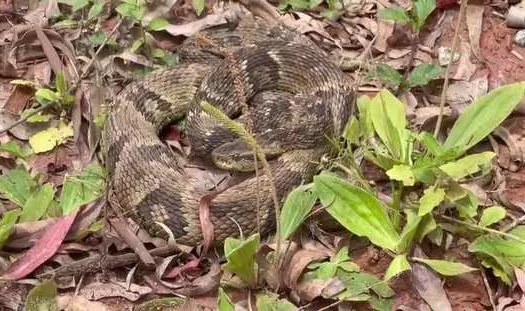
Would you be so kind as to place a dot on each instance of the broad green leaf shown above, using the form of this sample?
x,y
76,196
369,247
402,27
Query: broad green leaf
x,y
431,198
48,139
397,266
225,303
297,206
17,185
409,232
199,6
42,297
96,9
241,257
446,268
349,266
83,189
341,256
426,226
14,149
501,254
131,10
423,74
79,4
423,9
358,211
326,270
402,173
46,95
431,143
37,204
7,225
267,302
61,83
365,121
468,206
158,24
395,14
388,117
492,215
468,165
388,75
357,283
482,117
33,117
352,131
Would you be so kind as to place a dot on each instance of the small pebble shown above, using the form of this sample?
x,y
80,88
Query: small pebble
x,y
520,38
445,55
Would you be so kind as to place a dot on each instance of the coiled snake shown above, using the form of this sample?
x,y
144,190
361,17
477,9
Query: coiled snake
x,y
296,97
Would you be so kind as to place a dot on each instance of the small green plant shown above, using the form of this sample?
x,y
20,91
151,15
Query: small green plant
x,y
416,162
334,8
415,18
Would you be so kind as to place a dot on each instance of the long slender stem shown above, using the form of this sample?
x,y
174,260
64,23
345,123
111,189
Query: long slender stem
x,y
479,228
462,9
396,205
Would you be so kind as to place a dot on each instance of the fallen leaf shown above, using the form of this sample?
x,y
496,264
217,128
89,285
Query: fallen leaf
x,y
429,285
47,140
42,297
474,17
79,303
44,249
98,290
299,261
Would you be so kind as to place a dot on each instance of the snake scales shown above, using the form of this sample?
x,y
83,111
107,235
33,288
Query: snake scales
x,y
296,99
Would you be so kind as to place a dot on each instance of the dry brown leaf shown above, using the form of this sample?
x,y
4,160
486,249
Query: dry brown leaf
x,y
429,285
132,240
312,289
18,99
475,9
465,68
79,303
218,18
384,31
298,262
97,290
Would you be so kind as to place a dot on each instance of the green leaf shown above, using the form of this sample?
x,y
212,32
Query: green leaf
x,y
358,211
163,304
46,95
326,270
423,74
7,225
136,12
402,173
426,226
431,198
79,4
423,9
365,120
297,206
468,165
83,189
46,140
136,45
492,215
37,204
397,266
199,6
357,283
395,14
61,83
42,297
158,24
17,185
409,232
96,9
272,303
388,75
14,149
352,131
446,268
388,117
225,303
241,257
35,118
482,117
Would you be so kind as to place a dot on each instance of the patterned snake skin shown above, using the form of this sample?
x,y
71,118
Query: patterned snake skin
x,y
297,99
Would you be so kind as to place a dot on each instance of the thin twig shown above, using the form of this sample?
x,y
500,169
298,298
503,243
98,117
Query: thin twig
x,y
476,227
462,9
489,290
22,120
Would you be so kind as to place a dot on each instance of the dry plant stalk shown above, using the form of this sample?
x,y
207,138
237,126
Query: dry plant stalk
x,y
246,133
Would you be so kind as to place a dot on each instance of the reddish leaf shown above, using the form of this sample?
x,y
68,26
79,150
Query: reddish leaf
x,y
189,267
44,249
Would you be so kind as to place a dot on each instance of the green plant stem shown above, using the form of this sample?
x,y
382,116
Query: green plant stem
x,y
396,205
239,129
479,228
462,9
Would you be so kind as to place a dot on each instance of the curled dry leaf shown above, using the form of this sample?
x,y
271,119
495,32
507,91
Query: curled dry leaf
x,y
98,290
298,262
133,241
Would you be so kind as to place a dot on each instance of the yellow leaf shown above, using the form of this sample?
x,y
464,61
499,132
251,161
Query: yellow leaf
x,y
48,139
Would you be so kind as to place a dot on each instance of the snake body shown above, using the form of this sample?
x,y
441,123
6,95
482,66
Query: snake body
x,y
296,99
